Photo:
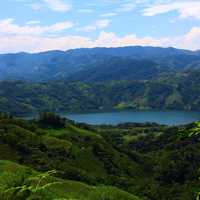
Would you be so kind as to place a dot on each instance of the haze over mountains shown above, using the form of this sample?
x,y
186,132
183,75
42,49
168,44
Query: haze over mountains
x,y
98,64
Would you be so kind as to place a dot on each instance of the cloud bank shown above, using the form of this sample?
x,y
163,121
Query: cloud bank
x,y
38,43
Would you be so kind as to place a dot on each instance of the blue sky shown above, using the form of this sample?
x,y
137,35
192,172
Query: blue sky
x,y
40,25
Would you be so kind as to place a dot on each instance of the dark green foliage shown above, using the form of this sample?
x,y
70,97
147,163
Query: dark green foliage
x,y
5,116
148,160
51,120
169,92
119,69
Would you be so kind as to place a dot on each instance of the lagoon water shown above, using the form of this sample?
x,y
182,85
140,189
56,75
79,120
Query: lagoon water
x,y
116,117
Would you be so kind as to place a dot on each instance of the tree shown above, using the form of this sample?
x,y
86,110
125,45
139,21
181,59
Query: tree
x,y
48,119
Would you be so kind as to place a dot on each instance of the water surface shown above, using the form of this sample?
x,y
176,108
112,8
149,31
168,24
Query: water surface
x,y
116,117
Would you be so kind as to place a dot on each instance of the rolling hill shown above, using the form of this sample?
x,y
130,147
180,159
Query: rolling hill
x,y
47,159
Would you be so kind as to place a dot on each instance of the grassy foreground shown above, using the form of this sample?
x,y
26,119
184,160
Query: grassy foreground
x,y
19,182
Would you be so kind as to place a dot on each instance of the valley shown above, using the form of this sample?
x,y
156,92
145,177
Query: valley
x,y
112,157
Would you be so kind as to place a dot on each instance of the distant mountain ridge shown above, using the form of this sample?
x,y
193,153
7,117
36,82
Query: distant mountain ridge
x,y
71,64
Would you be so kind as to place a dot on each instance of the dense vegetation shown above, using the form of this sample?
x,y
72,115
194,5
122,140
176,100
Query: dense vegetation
x,y
79,161
52,158
100,78
176,91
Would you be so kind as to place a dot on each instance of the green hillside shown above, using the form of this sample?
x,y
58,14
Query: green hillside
x,y
21,183
91,162
173,91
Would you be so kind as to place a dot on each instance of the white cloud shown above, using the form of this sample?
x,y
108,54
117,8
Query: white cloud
x,y
98,25
33,22
19,43
184,8
8,27
55,5
112,40
191,39
58,5
15,38
108,14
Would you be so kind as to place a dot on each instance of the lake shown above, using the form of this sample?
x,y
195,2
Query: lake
x,y
116,117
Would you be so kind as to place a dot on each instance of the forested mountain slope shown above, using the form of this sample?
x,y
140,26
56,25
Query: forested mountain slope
x,y
119,69
56,65
178,91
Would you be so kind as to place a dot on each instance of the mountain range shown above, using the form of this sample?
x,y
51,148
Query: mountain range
x,y
97,64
